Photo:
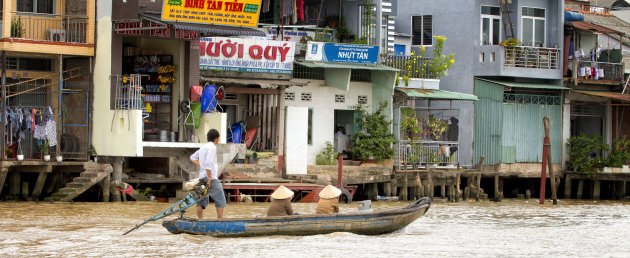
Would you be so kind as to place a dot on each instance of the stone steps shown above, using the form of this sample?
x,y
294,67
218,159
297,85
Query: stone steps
x,y
93,174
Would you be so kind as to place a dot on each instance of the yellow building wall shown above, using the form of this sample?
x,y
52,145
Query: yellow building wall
x,y
114,133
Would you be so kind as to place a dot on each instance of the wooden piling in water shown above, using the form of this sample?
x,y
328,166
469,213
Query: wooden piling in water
x,y
39,185
567,187
498,195
596,189
14,183
387,188
580,189
528,194
431,187
3,175
458,184
105,185
443,190
25,190
403,190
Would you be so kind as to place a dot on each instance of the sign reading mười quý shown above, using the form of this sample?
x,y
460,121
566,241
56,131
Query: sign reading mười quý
x,y
226,12
342,53
246,55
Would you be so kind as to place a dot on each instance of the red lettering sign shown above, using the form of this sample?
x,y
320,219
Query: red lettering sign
x,y
122,28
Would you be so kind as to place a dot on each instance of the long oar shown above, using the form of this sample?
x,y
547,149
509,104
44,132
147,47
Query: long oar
x,y
179,206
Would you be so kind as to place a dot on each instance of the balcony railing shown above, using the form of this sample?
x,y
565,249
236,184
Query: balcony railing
x,y
49,27
531,57
413,154
612,71
414,67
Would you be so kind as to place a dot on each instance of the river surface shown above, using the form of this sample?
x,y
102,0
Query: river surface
x,y
485,229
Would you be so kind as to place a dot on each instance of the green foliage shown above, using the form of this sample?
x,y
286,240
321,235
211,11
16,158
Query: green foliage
x,y
92,150
397,80
620,154
45,148
360,41
146,191
437,67
409,124
327,156
437,127
510,42
583,156
17,28
375,139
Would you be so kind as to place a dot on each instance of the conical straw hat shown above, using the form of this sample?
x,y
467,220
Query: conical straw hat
x,y
282,193
329,192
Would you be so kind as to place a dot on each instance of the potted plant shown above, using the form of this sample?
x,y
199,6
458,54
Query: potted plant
x,y
46,150
327,156
374,140
20,155
92,152
17,28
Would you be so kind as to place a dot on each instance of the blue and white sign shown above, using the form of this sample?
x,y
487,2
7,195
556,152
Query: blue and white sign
x,y
341,53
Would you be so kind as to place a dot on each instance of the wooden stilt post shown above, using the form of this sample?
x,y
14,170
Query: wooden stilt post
x,y
39,185
458,184
53,183
552,176
431,187
420,189
498,196
479,168
443,190
387,187
580,189
105,185
567,187
596,189
404,190
25,190
3,176
114,193
14,183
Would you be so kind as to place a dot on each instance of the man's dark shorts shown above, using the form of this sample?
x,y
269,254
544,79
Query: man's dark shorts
x,y
216,192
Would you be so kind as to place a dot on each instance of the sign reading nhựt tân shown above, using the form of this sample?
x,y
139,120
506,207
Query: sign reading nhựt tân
x,y
225,12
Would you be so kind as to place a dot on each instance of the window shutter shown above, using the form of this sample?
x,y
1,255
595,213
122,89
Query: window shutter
x,y
427,28
416,30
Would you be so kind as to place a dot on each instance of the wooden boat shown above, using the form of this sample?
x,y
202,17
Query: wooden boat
x,y
372,223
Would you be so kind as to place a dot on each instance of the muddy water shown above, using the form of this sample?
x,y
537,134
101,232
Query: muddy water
x,y
510,228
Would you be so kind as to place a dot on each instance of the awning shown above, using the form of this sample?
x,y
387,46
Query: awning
x,y
436,94
347,66
609,95
526,85
219,30
592,27
265,84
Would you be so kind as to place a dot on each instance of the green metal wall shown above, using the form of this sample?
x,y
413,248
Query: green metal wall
x,y
523,132
510,133
488,122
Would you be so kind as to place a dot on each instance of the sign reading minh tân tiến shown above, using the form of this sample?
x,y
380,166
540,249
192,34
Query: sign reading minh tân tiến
x,y
225,12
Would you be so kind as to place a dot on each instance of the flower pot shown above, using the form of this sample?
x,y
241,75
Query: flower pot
x,y
416,83
617,170
59,158
46,157
607,170
387,162
20,157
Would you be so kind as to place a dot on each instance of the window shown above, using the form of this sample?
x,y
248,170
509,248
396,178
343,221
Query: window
x,y
310,127
289,96
36,6
422,30
533,27
490,25
306,96
362,99
340,98
367,23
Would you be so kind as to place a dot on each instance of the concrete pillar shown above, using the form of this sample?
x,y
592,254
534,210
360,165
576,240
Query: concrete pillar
x,y
580,189
54,181
567,187
387,187
39,185
443,190
374,190
528,194
14,183
25,190
596,189
404,190
117,169
114,193
105,185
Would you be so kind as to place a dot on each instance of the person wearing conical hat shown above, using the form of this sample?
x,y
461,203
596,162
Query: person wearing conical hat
x,y
280,202
328,202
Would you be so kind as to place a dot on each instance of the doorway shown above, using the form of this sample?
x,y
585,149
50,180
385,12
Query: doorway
x,y
344,128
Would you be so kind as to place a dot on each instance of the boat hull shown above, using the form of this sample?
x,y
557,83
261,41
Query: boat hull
x,y
359,223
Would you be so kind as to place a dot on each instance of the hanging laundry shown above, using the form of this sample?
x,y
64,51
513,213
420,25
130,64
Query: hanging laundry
x,y
289,8
299,7
571,51
294,16
50,132
601,73
595,73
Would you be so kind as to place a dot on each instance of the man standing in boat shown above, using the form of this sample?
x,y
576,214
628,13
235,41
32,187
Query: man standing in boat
x,y
206,159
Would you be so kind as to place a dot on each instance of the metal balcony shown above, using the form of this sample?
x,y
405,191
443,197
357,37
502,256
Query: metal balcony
x,y
49,27
531,57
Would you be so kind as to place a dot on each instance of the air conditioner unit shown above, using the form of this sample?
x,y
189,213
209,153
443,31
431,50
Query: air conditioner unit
x,y
56,35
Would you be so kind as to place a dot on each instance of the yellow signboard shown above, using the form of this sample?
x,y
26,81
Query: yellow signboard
x,y
225,12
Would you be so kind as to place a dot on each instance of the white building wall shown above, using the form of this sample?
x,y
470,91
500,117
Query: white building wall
x,y
296,140
323,104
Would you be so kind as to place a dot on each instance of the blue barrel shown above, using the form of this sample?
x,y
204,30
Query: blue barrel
x,y
208,102
237,133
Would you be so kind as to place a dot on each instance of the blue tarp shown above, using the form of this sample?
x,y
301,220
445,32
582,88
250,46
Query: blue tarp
x,y
573,16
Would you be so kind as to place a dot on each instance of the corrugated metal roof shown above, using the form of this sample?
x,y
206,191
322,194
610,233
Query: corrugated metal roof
x,y
610,22
347,66
219,30
592,27
610,95
526,85
436,94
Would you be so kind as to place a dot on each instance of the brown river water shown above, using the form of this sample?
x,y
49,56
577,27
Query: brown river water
x,y
486,229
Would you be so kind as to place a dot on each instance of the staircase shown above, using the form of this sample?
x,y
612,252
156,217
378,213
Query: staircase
x,y
94,173
506,18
